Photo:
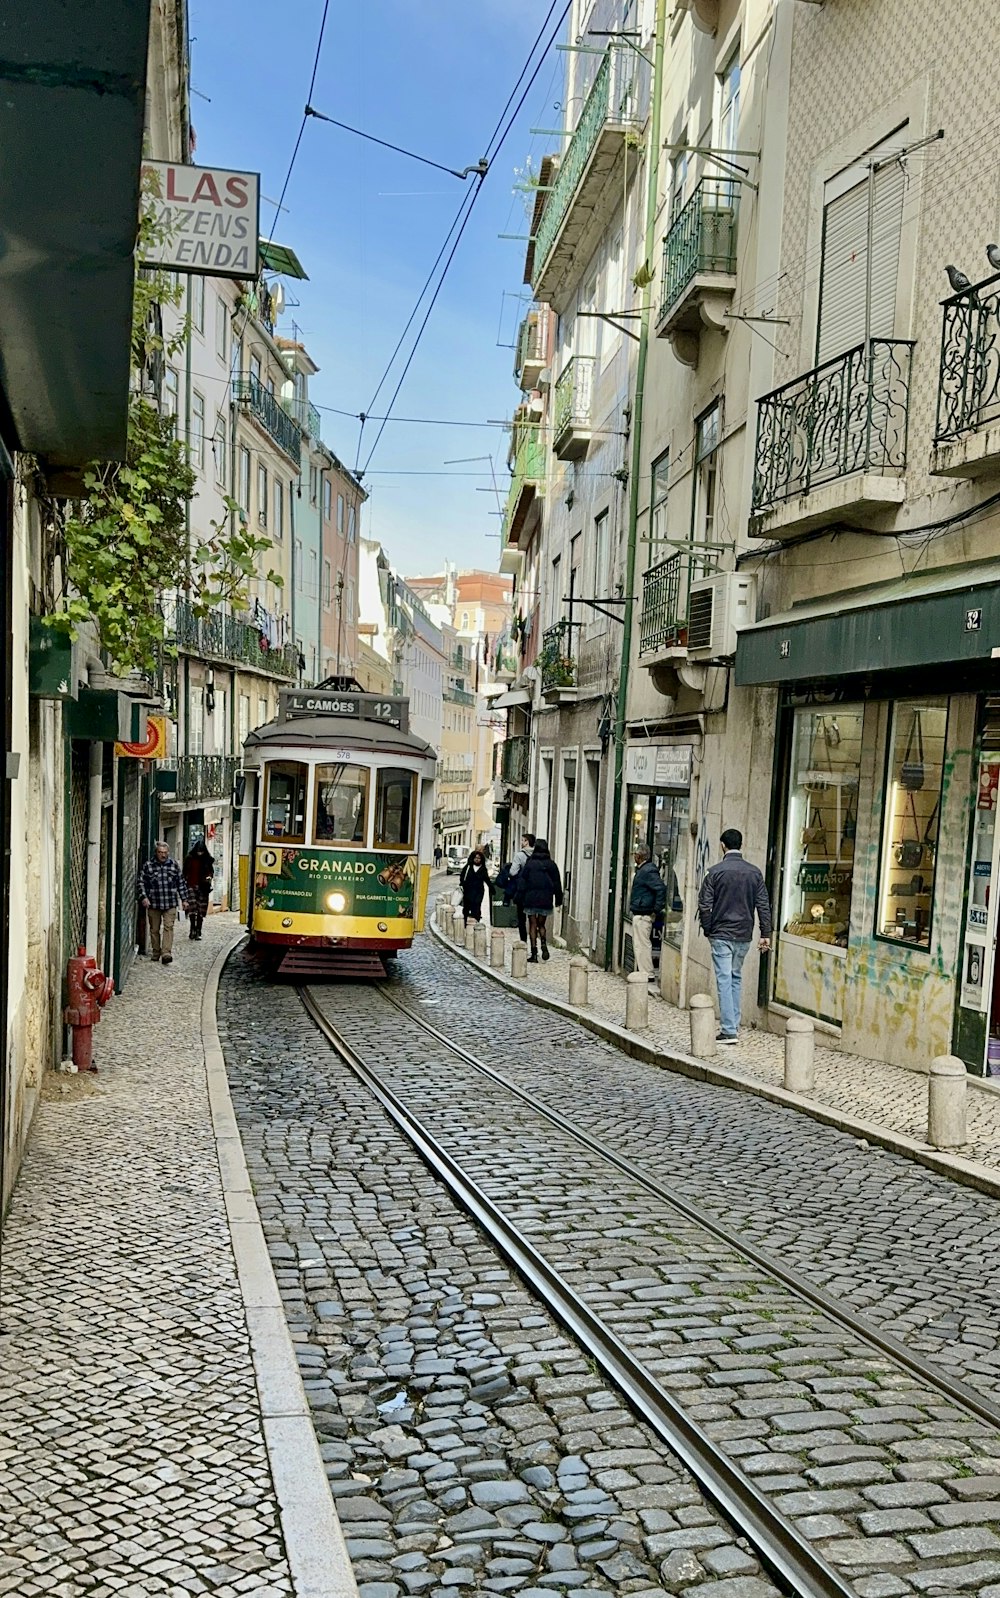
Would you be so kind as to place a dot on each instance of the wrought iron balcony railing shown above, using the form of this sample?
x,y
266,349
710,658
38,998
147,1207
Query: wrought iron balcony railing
x,y
515,760
455,818
702,238
219,637
274,419
616,96
555,662
306,414
459,696
969,381
532,346
528,477
573,401
666,588
203,776
848,415
454,776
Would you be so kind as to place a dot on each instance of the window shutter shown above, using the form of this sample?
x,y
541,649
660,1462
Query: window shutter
x,y
845,266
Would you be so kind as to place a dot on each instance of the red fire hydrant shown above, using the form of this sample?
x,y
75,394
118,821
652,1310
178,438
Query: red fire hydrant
x,y
88,990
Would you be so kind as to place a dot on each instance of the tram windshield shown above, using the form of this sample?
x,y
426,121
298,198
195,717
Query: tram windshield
x,y
341,804
394,809
285,811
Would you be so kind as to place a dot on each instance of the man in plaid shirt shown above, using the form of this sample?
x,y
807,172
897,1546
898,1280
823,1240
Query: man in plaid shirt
x,y
161,889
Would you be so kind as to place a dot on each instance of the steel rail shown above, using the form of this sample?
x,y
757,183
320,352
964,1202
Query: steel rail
x,y
956,1391
792,1561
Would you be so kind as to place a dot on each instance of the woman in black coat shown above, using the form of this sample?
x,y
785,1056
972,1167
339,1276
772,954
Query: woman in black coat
x,y
538,889
474,881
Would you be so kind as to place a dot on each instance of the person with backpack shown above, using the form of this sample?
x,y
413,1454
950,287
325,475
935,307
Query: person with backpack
x,y
509,884
537,890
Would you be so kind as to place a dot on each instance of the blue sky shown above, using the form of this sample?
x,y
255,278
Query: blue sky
x,y
367,225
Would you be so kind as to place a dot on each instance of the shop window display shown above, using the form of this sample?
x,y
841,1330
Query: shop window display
x,y
660,821
822,818
912,819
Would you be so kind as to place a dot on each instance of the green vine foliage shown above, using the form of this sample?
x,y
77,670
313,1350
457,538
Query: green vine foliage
x,y
127,542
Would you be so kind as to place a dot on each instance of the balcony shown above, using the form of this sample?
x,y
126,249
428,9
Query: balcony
x,y
967,431
454,776
273,418
515,761
458,696
556,664
527,483
306,415
199,778
663,619
455,818
239,643
699,268
572,428
532,348
832,444
589,184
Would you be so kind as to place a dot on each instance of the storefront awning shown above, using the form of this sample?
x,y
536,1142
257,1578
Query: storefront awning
x,y
72,99
933,618
512,698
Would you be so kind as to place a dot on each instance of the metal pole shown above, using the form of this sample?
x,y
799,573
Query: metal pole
x,y
653,155
868,254
340,614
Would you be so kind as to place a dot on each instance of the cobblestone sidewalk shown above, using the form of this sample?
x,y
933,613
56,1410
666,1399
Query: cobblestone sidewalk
x,y
132,1458
867,1090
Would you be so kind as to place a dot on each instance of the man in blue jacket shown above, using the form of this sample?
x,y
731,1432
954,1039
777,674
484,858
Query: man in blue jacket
x,y
647,899
731,894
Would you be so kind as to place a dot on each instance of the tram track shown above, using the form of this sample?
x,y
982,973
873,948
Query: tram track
x,y
791,1560
791,1557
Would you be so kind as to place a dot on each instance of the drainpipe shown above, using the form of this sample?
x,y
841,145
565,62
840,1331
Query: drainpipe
x,y
320,557
291,607
652,174
95,784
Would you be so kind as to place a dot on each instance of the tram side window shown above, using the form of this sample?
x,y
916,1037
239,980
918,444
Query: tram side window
x,y
341,804
285,812
394,809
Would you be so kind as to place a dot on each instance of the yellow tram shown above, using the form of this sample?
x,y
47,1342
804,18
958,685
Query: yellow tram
x,y
336,829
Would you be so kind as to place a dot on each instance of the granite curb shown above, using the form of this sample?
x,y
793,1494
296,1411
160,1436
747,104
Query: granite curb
x,y
970,1173
318,1560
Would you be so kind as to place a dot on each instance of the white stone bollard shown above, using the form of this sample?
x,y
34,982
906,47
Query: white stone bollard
x,y
702,1012
637,1001
497,949
946,1103
458,927
480,940
470,937
800,1061
578,979
519,960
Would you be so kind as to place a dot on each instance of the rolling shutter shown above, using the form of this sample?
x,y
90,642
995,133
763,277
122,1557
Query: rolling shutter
x,y
845,264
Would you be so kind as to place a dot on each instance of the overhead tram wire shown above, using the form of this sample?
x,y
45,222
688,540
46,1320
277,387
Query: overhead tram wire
x,y
495,144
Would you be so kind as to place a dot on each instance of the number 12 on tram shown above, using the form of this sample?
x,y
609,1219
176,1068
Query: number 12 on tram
x,y
336,829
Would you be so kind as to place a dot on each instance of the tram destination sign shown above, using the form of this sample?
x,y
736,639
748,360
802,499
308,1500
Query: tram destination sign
x,y
389,711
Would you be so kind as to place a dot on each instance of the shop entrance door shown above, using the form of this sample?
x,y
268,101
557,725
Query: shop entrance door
x,y
977,1009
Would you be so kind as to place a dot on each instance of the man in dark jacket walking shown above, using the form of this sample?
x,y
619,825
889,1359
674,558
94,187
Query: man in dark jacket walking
x,y
731,894
646,901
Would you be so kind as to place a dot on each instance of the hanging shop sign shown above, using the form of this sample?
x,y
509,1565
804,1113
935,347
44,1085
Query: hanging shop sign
x,y
658,765
153,747
209,219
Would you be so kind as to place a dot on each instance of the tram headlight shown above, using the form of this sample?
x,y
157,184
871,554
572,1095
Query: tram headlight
x,y
286,921
336,902
383,926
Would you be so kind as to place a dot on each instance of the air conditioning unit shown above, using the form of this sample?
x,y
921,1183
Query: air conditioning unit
x,y
717,608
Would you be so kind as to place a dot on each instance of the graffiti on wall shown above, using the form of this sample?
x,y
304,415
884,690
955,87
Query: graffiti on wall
x,y
703,843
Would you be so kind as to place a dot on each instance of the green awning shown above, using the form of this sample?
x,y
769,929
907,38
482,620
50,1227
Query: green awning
x,y
72,97
934,618
279,258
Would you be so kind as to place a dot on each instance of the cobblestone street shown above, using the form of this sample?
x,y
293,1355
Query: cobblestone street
x,y
132,1455
424,1358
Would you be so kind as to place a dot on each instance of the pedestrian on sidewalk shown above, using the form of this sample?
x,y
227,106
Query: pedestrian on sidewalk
x,y
199,870
646,902
520,856
474,881
162,890
537,889
732,893
438,856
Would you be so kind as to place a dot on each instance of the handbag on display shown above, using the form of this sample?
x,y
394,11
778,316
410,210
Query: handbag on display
x,y
816,782
911,773
814,833
909,852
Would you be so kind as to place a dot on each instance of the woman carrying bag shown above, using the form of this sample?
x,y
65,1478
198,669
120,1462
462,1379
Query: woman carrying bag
x,y
474,881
